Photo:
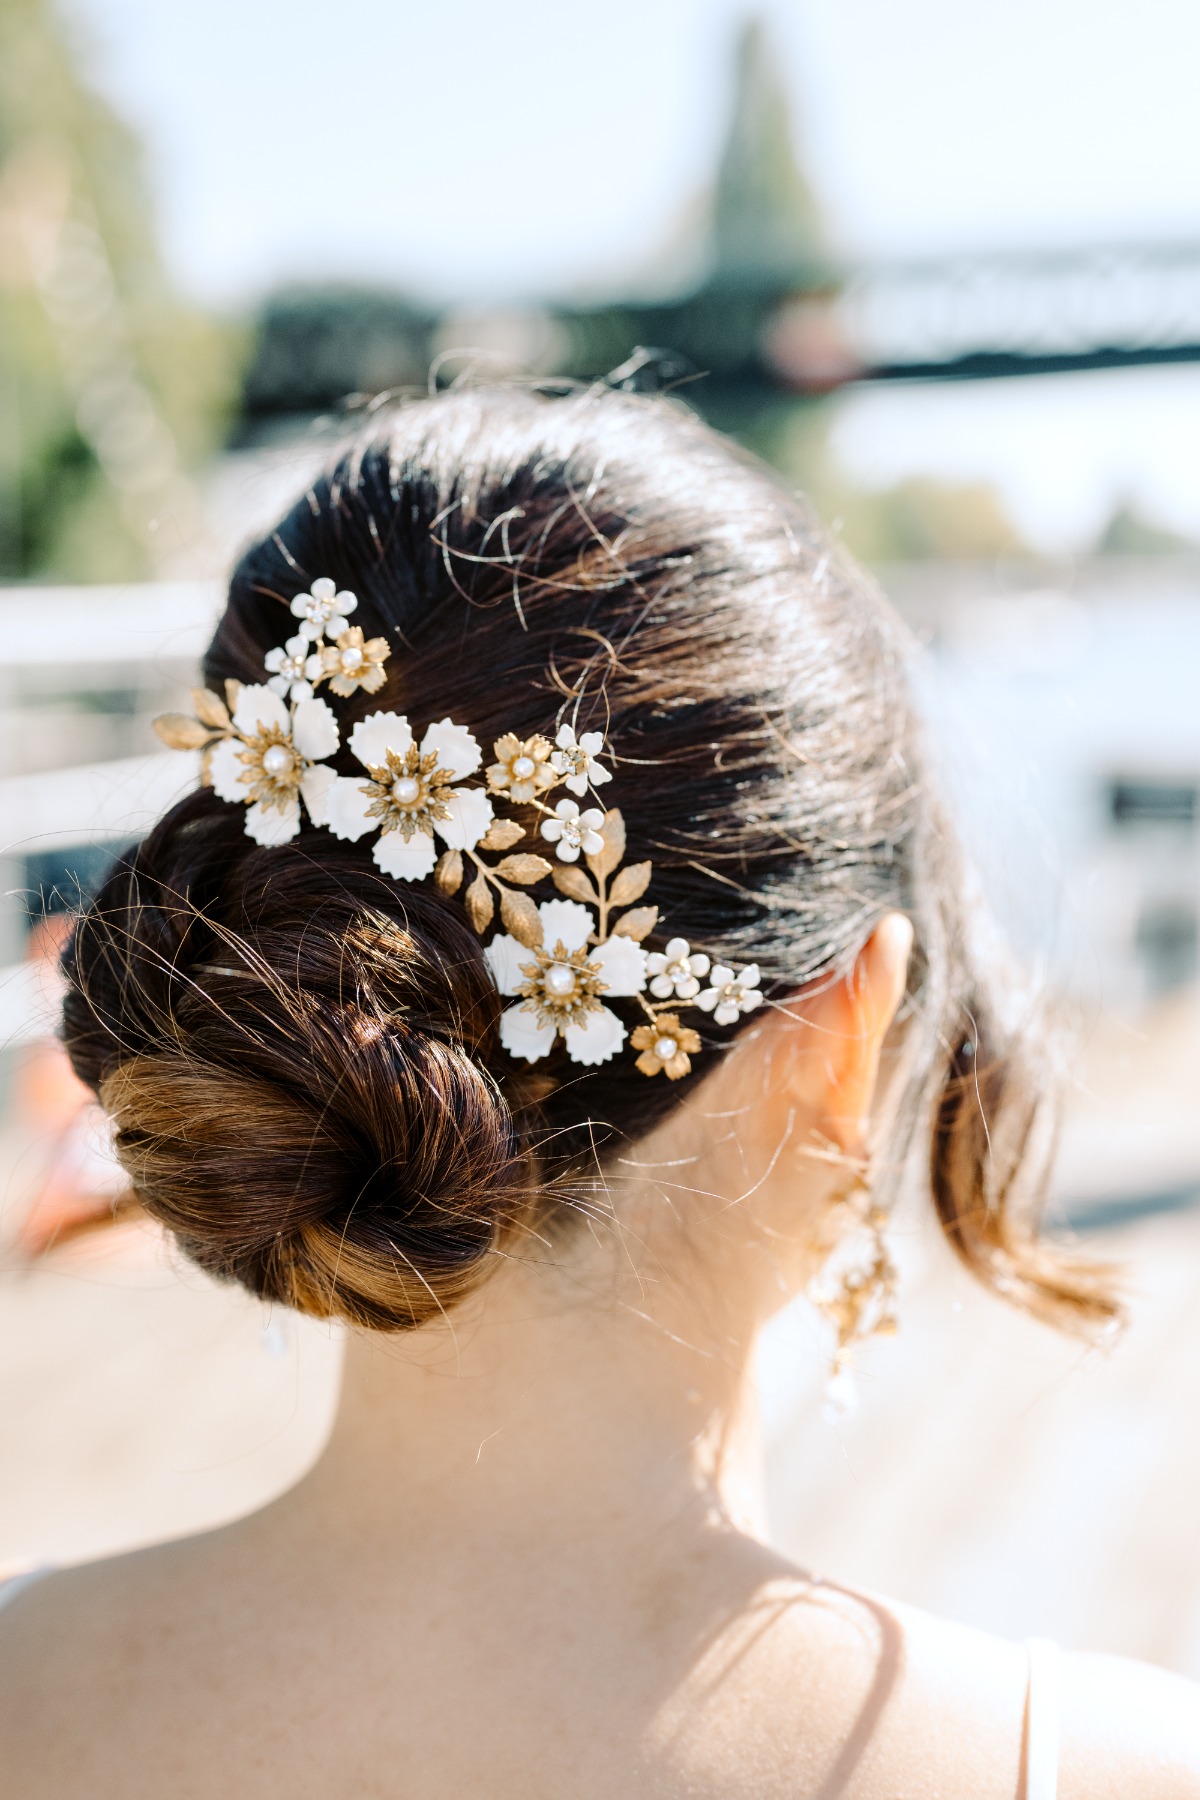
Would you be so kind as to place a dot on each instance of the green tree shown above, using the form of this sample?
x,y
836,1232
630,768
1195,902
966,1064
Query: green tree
x,y
768,239
110,389
766,230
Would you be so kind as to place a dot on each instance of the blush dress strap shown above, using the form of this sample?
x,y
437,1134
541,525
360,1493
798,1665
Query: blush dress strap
x,y
1041,1720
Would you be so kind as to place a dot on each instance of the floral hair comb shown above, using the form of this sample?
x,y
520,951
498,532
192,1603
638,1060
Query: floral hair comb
x,y
267,746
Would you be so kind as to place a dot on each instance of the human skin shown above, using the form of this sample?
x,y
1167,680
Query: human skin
x,y
532,1561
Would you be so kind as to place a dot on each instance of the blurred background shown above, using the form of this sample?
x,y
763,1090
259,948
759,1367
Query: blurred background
x,y
940,265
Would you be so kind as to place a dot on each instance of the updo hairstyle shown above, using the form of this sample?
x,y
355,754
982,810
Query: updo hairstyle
x,y
301,1055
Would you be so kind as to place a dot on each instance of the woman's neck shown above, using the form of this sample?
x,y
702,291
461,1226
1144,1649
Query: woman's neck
x,y
603,1382
539,1411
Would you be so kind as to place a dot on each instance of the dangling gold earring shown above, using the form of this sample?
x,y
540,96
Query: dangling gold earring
x,y
856,1292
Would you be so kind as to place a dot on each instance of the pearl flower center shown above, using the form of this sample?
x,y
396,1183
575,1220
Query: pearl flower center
x,y
406,790
560,981
524,767
665,1048
351,657
278,761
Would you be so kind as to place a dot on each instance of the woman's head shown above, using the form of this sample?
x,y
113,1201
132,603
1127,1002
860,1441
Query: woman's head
x,y
302,1055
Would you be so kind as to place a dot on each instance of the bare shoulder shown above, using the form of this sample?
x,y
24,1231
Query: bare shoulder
x,y
51,1626
57,1612
1129,1731
80,1648
44,1633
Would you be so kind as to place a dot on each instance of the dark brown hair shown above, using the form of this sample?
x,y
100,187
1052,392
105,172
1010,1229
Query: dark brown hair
x,y
301,1055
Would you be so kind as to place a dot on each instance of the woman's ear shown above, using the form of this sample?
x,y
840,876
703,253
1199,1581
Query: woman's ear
x,y
835,1065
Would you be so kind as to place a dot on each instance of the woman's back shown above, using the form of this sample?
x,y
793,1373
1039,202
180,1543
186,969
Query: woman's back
x,y
198,1671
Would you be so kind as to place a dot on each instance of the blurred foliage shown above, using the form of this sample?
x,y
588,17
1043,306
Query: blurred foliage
x,y
922,518
1130,533
94,347
766,230
112,391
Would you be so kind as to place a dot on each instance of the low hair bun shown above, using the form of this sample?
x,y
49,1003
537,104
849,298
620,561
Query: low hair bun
x,y
295,1058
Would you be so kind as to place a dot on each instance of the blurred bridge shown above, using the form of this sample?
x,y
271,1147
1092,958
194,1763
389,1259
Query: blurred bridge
x,y
773,315
979,317
743,338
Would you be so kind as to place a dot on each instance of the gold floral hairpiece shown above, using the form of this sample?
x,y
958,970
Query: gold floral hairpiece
x,y
266,746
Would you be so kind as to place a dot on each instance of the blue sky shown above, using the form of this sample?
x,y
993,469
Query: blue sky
x,y
486,149
477,151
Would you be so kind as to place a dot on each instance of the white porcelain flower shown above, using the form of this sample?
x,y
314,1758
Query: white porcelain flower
x,y
272,759
410,794
731,994
674,971
573,831
323,611
561,984
289,670
575,759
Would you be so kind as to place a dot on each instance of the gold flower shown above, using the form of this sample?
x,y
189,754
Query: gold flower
x,y
274,768
353,662
409,793
665,1046
561,986
522,769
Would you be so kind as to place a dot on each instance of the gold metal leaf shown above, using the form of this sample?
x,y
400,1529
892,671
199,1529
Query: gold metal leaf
x,y
637,924
180,732
233,690
613,833
525,869
522,918
479,903
448,871
210,710
570,880
502,834
630,884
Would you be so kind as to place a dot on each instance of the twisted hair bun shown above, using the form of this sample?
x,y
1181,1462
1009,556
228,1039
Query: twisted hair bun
x,y
295,1059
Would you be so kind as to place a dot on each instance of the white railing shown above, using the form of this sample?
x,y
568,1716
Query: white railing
x,y
72,629
132,623
61,807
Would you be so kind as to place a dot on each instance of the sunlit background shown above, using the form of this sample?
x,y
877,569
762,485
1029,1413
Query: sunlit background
x,y
940,264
